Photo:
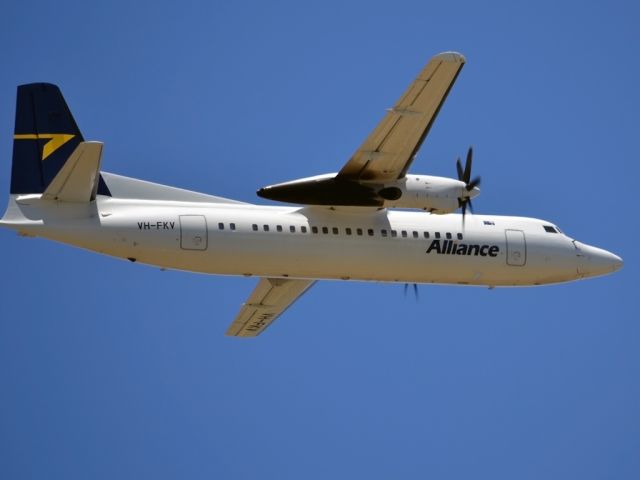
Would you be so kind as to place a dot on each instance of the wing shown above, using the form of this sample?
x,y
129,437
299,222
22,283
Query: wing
x,y
270,298
389,150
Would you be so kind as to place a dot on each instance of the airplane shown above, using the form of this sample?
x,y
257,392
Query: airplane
x,y
371,221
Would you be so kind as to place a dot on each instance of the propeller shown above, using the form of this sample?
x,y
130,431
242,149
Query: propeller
x,y
465,176
415,290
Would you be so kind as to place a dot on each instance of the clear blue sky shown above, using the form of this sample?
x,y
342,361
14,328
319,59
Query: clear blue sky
x,y
114,370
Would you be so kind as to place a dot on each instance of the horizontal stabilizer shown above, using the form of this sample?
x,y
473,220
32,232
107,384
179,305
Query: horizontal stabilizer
x,y
77,180
126,187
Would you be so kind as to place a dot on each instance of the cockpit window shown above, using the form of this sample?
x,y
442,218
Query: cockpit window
x,y
550,229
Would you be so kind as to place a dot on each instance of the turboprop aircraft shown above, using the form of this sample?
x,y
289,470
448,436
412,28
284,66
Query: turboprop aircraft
x,y
371,221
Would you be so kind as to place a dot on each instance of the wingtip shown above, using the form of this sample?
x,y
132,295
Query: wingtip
x,y
453,57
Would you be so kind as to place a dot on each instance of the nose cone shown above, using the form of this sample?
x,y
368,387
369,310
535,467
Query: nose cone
x,y
617,262
475,191
593,261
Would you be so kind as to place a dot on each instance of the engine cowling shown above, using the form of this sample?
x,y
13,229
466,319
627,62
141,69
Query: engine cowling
x,y
435,194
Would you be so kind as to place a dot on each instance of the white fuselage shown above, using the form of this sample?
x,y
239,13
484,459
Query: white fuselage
x,y
355,244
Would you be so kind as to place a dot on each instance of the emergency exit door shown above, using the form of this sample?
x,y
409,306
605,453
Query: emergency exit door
x,y
193,232
516,248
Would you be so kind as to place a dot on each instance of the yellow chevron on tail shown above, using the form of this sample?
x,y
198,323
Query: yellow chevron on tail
x,y
56,140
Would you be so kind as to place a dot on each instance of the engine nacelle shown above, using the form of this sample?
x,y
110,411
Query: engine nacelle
x,y
434,194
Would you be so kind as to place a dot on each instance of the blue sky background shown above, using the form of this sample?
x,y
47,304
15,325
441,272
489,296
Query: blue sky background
x,y
114,370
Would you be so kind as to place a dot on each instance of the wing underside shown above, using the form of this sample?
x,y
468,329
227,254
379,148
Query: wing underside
x,y
270,298
388,151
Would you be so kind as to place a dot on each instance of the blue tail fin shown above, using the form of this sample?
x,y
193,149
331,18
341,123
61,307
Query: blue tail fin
x,y
44,138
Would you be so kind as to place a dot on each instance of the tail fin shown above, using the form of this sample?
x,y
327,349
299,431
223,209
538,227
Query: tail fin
x,y
44,138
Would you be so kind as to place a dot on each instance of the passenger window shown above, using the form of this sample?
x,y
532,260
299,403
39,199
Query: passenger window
x,y
426,234
335,230
303,229
448,236
437,234
314,229
325,230
415,234
383,232
348,230
265,228
232,226
370,232
459,236
359,231
220,226
254,227
279,228
394,233
404,234
292,229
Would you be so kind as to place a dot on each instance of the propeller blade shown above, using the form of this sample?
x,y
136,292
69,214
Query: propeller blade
x,y
415,291
467,166
465,176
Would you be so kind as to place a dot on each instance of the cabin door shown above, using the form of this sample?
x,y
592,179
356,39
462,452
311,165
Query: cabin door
x,y
193,232
516,248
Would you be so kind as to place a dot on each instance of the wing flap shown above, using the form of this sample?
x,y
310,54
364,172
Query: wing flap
x,y
389,150
270,298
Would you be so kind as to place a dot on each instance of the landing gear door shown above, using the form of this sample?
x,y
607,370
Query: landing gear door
x,y
193,232
516,248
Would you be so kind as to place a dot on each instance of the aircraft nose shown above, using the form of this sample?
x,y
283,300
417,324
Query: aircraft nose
x,y
594,261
